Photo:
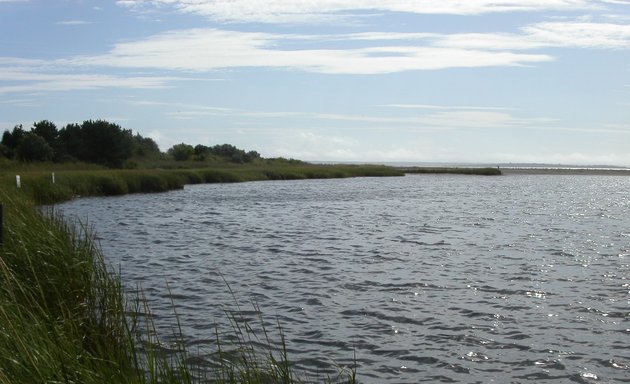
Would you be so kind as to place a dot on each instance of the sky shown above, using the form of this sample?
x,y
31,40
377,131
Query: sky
x,y
479,81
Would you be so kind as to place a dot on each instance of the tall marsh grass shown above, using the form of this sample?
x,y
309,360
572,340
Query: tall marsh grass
x,y
73,183
62,313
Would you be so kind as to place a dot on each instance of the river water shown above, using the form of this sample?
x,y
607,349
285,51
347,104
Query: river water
x,y
426,278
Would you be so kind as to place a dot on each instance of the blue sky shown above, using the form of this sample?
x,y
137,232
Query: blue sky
x,y
333,80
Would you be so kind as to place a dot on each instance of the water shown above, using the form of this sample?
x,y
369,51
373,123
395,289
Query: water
x,y
430,278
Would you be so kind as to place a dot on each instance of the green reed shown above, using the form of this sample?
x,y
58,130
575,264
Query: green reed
x,y
62,313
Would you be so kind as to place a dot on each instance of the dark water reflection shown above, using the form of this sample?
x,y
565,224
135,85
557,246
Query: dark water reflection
x,y
428,278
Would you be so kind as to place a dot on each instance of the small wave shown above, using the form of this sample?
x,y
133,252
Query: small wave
x,y
417,242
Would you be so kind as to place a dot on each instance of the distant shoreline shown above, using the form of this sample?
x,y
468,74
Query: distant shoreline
x,y
566,171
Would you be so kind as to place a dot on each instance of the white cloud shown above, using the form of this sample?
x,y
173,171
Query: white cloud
x,y
444,107
20,102
469,119
211,49
46,82
298,11
20,62
437,117
214,49
489,41
617,17
202,50
306,145
448,119
582,35
548,34
619,2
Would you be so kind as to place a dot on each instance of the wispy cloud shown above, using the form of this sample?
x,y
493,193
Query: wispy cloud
x,y
74,22
20,102
619,2
581,35
211,49
47,82
567,34
298,11
444,107
434,118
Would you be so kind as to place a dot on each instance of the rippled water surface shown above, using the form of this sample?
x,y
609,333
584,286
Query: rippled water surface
x,y
427,278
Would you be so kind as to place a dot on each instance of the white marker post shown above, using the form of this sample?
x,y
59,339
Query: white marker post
x,y
18,182
53,177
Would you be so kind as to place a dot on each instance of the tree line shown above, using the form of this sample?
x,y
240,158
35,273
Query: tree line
x,y
199,152
105,143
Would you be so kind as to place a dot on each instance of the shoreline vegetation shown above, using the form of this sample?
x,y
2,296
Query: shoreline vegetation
x,y
100,158
68,184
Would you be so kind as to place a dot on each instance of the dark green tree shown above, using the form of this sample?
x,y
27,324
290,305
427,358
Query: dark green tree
x,y
251,156
47,130
229,152
201,152
33,147
105,143
12,139
69,145
145,146
181,152
6,138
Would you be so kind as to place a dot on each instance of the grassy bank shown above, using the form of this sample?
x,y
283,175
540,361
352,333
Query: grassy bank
x,y
70,182
99,182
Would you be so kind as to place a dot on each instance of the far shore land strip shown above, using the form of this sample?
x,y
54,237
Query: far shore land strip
x,y
566,171
520,170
